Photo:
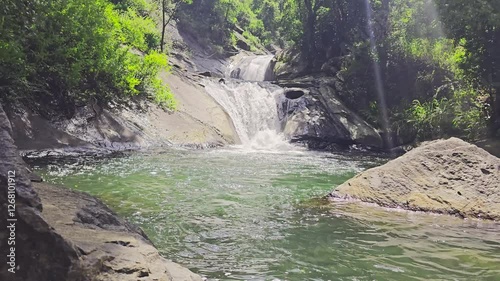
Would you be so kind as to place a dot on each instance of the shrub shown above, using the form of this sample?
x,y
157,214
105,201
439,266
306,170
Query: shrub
x,y
57,55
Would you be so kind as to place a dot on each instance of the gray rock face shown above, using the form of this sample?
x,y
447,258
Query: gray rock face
x,y
444,176
314,115
289,64
40,252
198,122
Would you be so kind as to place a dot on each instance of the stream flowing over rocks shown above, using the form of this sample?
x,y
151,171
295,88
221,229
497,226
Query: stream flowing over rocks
x,y
305,110
444,176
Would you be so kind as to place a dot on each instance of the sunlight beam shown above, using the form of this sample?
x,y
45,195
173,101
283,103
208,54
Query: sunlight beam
x,y
379,84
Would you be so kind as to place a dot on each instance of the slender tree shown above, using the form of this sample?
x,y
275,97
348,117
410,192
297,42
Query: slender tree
x,y
169,9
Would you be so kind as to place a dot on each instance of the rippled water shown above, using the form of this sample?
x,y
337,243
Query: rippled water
x,y
234,215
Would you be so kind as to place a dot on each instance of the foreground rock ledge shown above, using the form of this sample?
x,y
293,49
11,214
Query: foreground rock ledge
x,y
109,247
445,176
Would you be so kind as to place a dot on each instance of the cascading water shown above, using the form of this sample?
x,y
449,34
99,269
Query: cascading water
x,y
252,68
252,105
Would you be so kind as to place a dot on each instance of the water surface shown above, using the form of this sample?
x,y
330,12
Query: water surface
x,y
245,215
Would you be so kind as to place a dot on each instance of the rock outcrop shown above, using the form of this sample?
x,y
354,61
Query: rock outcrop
x,y
327,119
444,176
109,248
73,237
319,119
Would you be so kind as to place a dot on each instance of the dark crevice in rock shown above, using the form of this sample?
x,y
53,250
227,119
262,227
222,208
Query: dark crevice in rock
x,y
294,94
486,172
121,243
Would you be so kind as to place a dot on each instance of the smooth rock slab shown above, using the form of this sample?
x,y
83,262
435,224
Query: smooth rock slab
x,y
109,247
444,176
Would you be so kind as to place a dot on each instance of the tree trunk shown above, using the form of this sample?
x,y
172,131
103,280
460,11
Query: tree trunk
x,y
164,26
308,45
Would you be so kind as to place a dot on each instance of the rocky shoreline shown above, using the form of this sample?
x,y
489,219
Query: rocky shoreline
x,y
61,234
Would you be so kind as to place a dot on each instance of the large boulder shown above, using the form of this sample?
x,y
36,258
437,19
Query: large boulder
x,y
444,176
314,115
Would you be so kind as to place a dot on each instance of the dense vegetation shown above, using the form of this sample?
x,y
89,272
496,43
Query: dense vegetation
x,y
426,68
60,54
437,61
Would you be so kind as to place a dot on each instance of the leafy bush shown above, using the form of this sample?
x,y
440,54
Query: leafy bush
x,y
57,55
462,115
138,32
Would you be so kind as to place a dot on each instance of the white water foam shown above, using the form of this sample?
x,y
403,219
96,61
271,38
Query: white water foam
x,y
252,107
252,68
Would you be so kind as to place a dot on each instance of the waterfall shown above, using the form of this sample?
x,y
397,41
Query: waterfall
x,y
252,105
252,68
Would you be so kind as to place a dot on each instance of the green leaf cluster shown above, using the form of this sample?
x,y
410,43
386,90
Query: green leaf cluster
x,y
60,54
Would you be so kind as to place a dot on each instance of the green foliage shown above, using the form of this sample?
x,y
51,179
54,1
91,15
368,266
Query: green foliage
x,y
463,115
142,7
290,22
419,33
136,31
207,21
429,77
431,118
213,21
57,55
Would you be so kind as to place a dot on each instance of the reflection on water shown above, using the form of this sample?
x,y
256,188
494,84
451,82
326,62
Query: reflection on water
x,y
249,216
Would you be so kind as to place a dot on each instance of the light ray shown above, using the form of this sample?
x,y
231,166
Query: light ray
x,y
379,84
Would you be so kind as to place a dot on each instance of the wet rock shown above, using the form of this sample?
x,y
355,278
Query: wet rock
x,y
444,176
206,74
34,177
243,44
293,94
316,116
210,74
238,29
289,65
